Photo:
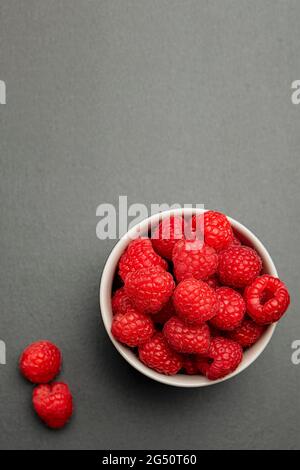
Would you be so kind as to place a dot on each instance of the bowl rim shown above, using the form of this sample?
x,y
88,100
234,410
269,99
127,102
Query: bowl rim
x,y
106,282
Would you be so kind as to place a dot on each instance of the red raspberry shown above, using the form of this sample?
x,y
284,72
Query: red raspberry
x,y
139,254
239,266
53,403
193,259
40,362
223,358
247,334
149,288
120,301
190,366
165,313
231,311
167,234
158,355
184,338
217,229
194,301
267,299
132,327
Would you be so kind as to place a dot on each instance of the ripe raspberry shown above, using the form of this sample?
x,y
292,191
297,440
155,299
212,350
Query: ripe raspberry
x,y
247,334
194,301
167,234
120,301
149,288
40,362
139,254
132,327
267,299
157,355
193,259
165,313
223,358
53,403
239,266
184,338
231,311
217,229
190,366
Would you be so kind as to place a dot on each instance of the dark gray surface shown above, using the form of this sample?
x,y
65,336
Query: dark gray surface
x,y
164,101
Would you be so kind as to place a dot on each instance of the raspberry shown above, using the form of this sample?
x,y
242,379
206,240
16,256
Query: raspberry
x,y
239,266
169,231
53,403
40,362
195,301
231,309
120,301
247,334
189,365
158,355
132,327
223,358
149,288
193,259
217,229
165,313
139,254
267,299
184,338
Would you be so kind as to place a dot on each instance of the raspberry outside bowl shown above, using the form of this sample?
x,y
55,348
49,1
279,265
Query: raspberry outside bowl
x,y
110,269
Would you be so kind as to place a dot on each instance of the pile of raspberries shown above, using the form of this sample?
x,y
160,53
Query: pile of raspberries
x,y
193,297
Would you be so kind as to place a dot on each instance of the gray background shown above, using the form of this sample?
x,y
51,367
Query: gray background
x,y
163,101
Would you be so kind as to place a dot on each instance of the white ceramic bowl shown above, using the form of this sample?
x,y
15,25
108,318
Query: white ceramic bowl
x,y
108,275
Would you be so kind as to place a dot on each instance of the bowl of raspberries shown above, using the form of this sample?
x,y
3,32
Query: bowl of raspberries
x,y
191,297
